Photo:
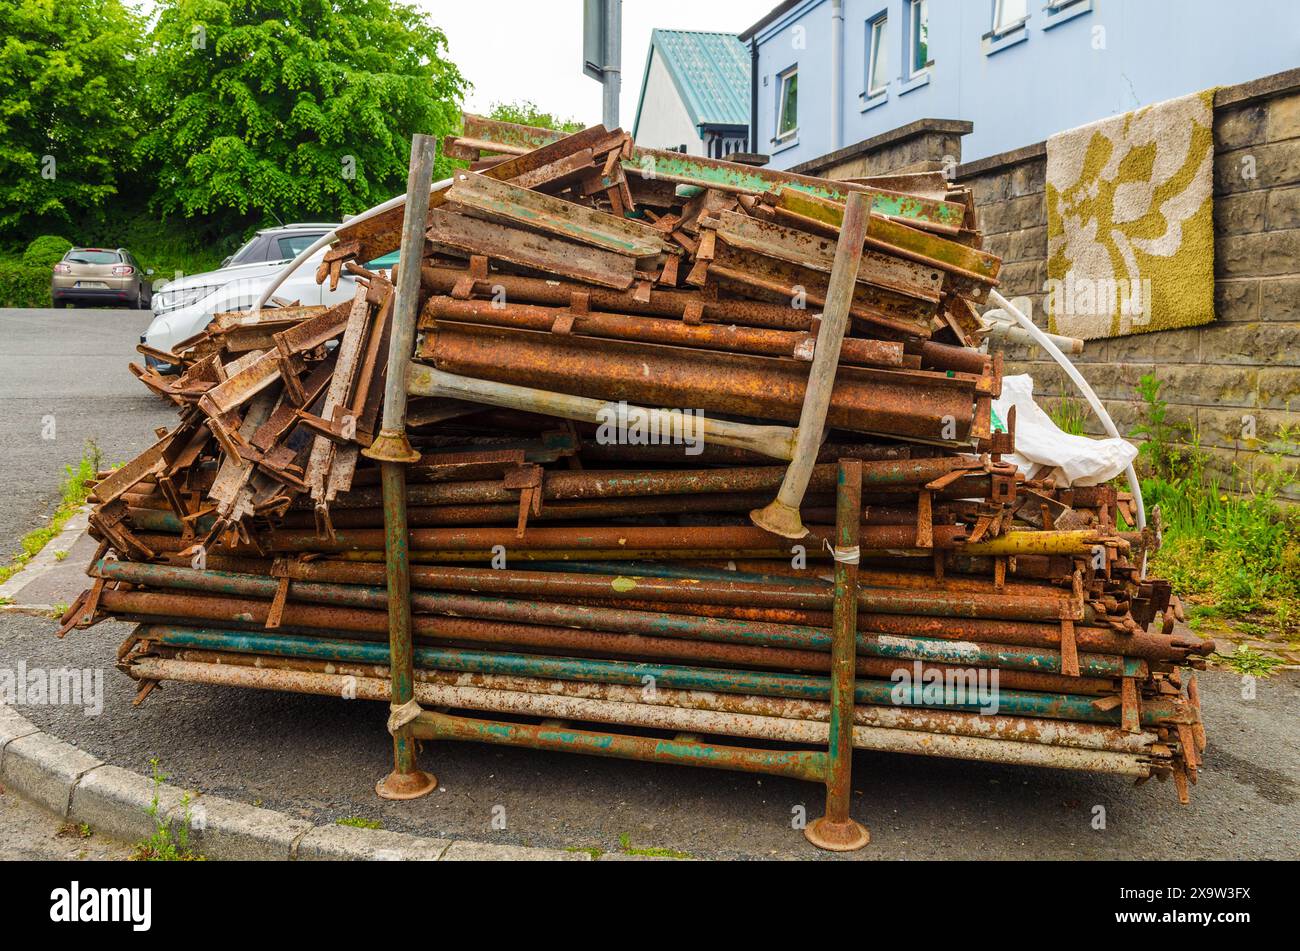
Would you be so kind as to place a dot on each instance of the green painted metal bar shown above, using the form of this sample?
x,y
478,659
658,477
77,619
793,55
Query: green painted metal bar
x,y
797,764
727,176
942,252
798,686
406,776
651,623
748,179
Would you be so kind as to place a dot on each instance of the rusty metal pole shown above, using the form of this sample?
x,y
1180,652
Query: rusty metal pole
x,y
393,451
837,831
782,514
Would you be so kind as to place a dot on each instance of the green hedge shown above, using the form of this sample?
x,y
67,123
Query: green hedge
x,y
46,250
22,285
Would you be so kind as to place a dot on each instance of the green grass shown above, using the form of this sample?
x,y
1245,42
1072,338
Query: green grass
x,y
73,492
1232,551
1233,554
166,844
1070,415
356,822
625,843
1251,662
75,830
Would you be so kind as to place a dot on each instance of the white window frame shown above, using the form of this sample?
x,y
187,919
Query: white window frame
x,y
1063,11
1002,29
910,50
781,78
877,37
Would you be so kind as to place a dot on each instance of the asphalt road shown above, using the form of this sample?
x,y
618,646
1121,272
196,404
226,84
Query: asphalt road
x,y
63,380
320,757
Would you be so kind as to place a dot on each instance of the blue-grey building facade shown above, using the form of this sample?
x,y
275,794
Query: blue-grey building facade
x,y
829,73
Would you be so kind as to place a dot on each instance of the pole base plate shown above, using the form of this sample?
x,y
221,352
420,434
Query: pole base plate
x,y
391,446
779,519
847,836
406,785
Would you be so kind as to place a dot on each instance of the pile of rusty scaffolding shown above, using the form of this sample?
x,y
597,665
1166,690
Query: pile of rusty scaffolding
x,y
643,455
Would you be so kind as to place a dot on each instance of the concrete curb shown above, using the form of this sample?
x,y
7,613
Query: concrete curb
x,y
76,786
45,561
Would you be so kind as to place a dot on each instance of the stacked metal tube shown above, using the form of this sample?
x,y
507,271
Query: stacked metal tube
x,y
573,567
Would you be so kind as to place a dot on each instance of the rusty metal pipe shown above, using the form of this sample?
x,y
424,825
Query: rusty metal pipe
x,y
836,831
664,302
681,427
805,765
549,705
939,602
393,450
644,538
552,624
953,722
1154,711
557,485
731,338
904,404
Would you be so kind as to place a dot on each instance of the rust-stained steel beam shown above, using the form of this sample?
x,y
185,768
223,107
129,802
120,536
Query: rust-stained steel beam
x,y
542,252
541,212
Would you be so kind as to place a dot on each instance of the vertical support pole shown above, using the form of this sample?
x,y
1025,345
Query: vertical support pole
x,y
612,77
836,831
407,780
393,451
837,75
781,515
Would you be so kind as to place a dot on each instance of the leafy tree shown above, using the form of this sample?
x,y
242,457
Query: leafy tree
x,y
526,112
290,108
66,89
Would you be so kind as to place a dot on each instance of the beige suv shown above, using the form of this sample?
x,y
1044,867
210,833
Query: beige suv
x,y
100,276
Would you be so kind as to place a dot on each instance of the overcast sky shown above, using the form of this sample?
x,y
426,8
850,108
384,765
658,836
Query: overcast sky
x,y
532,49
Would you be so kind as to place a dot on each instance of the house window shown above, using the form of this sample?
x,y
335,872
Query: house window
x,y
787,104
1009,15
877,57
1062,11
919,36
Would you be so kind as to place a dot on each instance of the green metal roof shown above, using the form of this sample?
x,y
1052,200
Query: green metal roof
x,y
710,71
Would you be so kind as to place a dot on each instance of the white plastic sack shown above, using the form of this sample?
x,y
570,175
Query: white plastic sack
x,y
1077,460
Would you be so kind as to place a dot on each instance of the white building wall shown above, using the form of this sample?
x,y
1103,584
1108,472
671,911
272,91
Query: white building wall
x,y
665,123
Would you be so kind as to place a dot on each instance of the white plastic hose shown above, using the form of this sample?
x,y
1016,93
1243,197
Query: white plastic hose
x,y
326,238
1044,341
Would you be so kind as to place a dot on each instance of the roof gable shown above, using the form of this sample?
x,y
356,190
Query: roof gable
x,y
710,72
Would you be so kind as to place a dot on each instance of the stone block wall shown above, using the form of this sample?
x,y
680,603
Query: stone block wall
x,y
927,145
1236,381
